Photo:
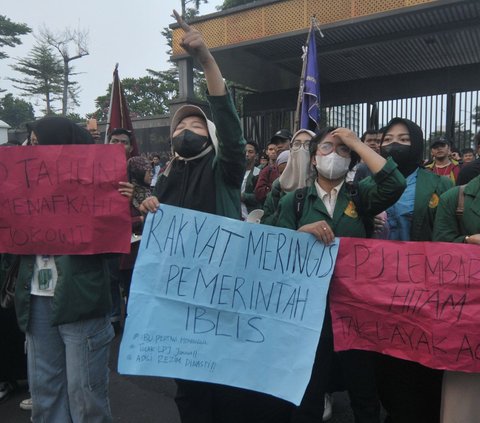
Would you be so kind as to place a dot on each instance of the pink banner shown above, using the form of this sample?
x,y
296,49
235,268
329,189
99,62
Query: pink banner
x,y
63,200
418,301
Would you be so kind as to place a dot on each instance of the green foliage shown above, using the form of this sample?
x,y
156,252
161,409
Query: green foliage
x,y
228,4
186,10
476,116
70,45
9,33
462,138
43,76
146,96
15,111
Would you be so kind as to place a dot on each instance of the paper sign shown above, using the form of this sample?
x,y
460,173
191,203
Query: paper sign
x,y
63,199
224,301
418,301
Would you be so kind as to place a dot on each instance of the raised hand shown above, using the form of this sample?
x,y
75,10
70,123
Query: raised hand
x,y
195,46
192,41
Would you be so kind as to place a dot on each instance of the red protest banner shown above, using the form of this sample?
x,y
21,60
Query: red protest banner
x,y
419,301
63,199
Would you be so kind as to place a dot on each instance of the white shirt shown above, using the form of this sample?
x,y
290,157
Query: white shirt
x,y
47,265
329,198
255,171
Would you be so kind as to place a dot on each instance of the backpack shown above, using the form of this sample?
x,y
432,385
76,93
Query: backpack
x,y
460,207
352,192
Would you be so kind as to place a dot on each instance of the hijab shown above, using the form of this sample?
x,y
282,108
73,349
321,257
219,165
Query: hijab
x,y
57,130
414,158
297,170
137,167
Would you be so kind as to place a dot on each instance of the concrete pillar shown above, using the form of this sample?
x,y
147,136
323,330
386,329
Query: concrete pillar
x,y
185,78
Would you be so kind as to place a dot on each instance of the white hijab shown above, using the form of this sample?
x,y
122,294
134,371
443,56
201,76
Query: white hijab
x,y
297,171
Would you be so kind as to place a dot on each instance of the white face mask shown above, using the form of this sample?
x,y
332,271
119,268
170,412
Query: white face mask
x,y
332,166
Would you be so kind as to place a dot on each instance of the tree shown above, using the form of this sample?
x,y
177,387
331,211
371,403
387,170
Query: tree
x,y
9,33
228,4
462,138
43,76
62,43
15,111
196,5
146,96
476,116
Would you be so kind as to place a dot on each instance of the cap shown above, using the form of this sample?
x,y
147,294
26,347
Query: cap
x,y
191,110
283,134
439,141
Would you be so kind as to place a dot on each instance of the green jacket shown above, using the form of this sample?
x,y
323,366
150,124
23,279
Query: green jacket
x,y
428,190
249,194
270,207
447,227
82,291
376,195
229,163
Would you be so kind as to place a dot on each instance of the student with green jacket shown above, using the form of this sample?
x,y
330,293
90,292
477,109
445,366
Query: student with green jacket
x,y
409,391
63,305
461,391
333,208
206,175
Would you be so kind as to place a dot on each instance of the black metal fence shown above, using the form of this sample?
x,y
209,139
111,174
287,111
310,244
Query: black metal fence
x,y
455,116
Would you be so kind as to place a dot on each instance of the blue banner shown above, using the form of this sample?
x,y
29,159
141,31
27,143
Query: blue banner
x,y
218,300
310,109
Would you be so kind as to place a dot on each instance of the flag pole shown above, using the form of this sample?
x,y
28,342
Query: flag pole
x,y
302,80
109,115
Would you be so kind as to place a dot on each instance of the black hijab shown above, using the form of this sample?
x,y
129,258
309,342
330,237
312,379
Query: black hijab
x,y
415,154
57,130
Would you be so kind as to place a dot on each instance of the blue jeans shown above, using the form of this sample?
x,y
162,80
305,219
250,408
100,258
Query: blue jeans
x,y
68,367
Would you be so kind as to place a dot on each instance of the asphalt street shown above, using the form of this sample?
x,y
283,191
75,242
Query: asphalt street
x,y
142,399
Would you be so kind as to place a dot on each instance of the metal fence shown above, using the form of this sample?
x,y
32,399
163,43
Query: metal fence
x,y
448,115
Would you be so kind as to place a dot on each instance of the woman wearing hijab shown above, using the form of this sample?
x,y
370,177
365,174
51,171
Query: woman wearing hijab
x,y
206,174
63,305
294,176
409,391
139,172
328,211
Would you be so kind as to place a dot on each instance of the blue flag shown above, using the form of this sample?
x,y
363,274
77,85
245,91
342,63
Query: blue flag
x,y
310,108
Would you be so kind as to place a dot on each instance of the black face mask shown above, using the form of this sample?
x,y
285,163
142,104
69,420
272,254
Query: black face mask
x,y
402,156
189,144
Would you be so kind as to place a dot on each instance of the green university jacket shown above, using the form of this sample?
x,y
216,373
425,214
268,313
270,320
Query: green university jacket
x,y
447,227
428,190
229,163
82,291
376,195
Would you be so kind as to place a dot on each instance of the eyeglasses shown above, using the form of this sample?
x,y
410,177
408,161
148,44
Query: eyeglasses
x,y
297,145
341,149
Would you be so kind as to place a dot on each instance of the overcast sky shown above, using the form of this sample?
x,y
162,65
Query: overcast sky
x,y
127,32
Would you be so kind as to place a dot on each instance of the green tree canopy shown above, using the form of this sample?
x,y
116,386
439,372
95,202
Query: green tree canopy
x,y
42,76
228,4
10,32
146,96
15,111
462,138
476,116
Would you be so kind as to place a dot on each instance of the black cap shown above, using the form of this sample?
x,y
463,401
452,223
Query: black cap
x,y
283,134
438,141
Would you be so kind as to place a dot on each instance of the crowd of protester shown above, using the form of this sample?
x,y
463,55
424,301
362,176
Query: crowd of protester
x,y
305,182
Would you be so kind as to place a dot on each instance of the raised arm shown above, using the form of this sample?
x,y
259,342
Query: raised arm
x,y
195,46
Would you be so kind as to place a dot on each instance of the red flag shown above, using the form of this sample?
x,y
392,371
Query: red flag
x,y
118,113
